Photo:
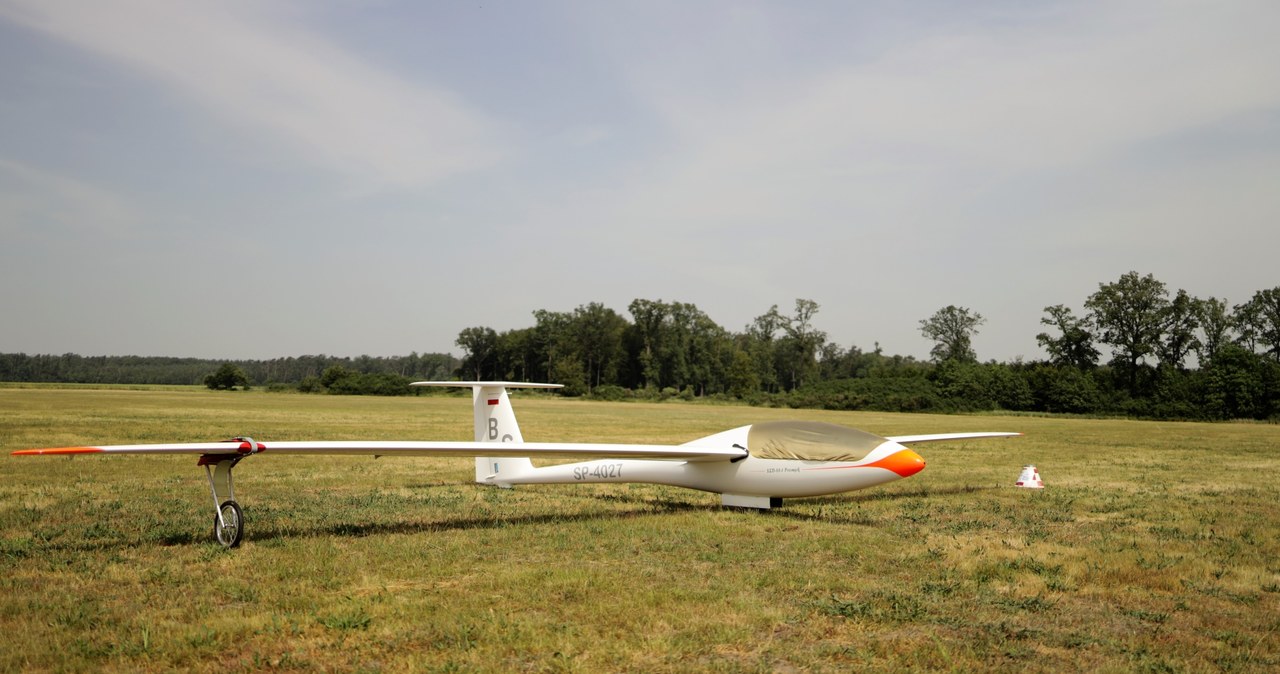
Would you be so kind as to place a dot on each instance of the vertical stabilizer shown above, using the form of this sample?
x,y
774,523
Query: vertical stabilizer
x,y
495,421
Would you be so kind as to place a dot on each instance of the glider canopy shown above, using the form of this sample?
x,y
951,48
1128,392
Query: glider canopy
x,y
810,441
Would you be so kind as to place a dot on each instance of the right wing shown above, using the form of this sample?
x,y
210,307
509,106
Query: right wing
x,y
413,448
939,437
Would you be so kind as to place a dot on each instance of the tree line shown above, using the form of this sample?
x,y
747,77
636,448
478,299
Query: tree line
x,y
1169,355
1172,355
72,368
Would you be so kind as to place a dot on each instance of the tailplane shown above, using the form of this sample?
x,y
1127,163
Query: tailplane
x,y
495,421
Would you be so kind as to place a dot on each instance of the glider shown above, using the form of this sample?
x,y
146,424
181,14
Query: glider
x,y
753,466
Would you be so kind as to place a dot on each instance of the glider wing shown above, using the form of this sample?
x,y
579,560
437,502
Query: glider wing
x,y
939,437
415,448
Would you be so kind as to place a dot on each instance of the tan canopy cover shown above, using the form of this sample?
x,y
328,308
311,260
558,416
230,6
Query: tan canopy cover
x,y
810,441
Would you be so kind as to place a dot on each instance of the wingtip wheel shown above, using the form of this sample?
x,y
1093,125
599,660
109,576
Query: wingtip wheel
x,y
228,524
228,517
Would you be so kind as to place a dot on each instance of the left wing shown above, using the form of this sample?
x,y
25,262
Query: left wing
x,y
938,437
414,448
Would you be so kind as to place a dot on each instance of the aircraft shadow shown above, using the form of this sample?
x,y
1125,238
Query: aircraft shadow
x,y
843,517
651,507
645,507
918,492
353,530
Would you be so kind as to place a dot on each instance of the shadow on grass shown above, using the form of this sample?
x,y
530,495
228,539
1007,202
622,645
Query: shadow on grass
x,y
355,530
822,507
832,508
648,507
919,492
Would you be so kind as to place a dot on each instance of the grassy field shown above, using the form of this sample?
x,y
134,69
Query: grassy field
x,y
1155,547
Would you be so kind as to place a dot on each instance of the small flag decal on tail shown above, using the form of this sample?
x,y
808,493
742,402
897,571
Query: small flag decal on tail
x,y
493,401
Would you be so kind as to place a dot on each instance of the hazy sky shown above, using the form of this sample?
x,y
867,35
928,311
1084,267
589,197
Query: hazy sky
x,y
261,179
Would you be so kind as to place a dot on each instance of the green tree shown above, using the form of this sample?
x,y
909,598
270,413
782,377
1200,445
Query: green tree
x,y
226,378
1258,321
1074,345
1235,385
686,324
952,329
515,354
569,372
801,345
1215,326
709,348
1060,388
310,385
481,347
334,374
1178,324
597,331
1130,313
677,345
742,379
552,343
966,385
1009,387
762,344
835,362
371,384
648,317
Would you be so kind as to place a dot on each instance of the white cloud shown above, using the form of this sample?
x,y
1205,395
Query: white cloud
x,y
1006,100
907,137
281,84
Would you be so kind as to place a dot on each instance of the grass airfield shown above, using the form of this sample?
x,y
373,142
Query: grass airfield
x,y
1155,547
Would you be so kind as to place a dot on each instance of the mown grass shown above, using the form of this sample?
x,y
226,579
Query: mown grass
x,y
1154,548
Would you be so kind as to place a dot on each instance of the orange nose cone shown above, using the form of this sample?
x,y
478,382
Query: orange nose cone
x,y
905,463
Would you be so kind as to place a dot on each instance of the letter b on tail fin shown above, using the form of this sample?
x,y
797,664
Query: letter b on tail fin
x,y
495,420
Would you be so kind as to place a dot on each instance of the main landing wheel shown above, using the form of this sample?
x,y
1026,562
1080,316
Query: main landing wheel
x,y
228,524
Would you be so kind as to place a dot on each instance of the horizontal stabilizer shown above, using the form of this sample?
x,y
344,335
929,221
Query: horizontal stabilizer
x,y
486,384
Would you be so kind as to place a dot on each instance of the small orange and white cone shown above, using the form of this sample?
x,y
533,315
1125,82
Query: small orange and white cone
x,y
1030,478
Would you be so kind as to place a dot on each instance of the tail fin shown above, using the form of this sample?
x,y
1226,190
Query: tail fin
x,y
495,421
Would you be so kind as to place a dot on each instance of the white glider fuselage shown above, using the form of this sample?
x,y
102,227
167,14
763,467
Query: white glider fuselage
x,y
750,476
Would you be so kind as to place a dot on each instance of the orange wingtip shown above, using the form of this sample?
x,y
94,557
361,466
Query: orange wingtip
x,y
58,450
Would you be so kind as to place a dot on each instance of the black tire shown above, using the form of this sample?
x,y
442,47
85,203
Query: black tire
x,y
229,536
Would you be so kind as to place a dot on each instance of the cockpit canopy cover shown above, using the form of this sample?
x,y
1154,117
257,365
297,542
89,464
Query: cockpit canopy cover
x,y
810,441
